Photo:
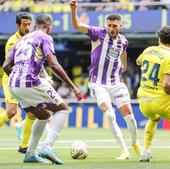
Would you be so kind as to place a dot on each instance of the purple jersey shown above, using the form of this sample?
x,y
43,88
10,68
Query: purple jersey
x,y
106,68
29,54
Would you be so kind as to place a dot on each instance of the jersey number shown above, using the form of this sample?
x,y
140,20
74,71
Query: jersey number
x,y
153,76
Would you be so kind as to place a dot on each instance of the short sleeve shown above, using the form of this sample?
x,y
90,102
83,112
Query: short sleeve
x,y
47,46
140,58
125,46
94,33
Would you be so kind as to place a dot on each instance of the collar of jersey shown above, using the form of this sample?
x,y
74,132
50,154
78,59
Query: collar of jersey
x,y
18,35
165,47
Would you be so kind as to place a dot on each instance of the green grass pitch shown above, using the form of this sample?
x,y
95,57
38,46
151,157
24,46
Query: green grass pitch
x,y
101,147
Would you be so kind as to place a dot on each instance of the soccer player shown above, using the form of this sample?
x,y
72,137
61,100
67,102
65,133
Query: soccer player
x,y
35,94
108,61
20,125
24,25
154,90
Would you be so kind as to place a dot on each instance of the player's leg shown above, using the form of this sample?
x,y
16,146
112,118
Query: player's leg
x,y
60,110
121,98
29,98
3,118
149,133
11,110
19,128
26,132
127,114
37,131
11,104
43,98
148,108
56,125
47,127
103,100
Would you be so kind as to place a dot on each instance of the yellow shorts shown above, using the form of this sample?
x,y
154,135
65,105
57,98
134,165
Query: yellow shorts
x,y
8,97
156,108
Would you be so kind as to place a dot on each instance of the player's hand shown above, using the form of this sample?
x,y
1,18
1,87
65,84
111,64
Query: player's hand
x,y
73,4
77,93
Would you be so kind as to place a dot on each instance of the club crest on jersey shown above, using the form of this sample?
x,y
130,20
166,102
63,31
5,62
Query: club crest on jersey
x,y
112,53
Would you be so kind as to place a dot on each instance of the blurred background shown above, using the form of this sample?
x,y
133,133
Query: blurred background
x,y
141,19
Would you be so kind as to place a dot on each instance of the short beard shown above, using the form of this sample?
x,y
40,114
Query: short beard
x,y
112,36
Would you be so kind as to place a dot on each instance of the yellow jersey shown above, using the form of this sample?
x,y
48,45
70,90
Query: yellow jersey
x,y
155,62
9,45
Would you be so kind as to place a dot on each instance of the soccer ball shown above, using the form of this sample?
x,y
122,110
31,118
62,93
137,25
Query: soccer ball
x,y
78,150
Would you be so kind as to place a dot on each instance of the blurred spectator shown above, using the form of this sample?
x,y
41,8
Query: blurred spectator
x,y
165,6
83,89
62,5
148,7
63,91
126,5
106,8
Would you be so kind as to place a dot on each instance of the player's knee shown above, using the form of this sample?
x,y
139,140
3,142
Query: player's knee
x,y
43,114
126,110
104,107
31,115
11,110
43,117
156,118
64,106
68,109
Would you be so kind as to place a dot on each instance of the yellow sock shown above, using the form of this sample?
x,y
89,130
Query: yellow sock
x,y
27,131
3,118
150,130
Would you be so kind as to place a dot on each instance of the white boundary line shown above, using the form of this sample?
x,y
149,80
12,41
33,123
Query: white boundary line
x,y
91,147
65,144
88,141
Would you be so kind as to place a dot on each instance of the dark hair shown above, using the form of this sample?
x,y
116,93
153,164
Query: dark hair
x,y
22,16
43,20
114,16
164,34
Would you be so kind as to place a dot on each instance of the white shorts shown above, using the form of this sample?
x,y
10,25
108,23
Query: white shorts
x,y
117,94
39,96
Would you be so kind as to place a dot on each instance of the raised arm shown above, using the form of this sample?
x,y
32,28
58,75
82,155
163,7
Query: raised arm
x,y
75,21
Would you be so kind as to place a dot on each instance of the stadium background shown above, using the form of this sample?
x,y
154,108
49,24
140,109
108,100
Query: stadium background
x,y
141,19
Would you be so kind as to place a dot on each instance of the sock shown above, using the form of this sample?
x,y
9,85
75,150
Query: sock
x,y
20,124
149,133
3,118
56,125
47,128
110,115
37,131
132,127
26,133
